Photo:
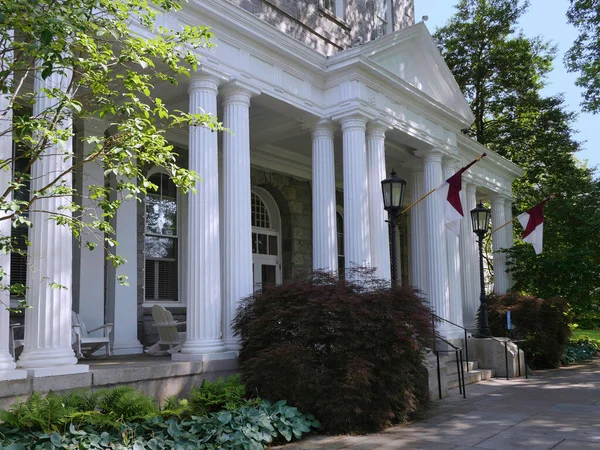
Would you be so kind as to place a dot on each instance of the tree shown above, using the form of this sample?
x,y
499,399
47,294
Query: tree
x,y
502,73
111,57
584,55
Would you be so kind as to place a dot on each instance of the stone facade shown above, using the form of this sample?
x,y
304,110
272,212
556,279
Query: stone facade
x,y
310,22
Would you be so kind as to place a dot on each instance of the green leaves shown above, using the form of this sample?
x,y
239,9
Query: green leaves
x,y
584,55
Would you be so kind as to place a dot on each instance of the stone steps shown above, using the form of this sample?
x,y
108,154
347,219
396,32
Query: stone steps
x,y
451,368
473,376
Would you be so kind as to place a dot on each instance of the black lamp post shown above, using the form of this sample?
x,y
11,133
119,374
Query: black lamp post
x,y
480,218
393,196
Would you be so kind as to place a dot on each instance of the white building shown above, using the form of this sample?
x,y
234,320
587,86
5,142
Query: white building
x,y
322,106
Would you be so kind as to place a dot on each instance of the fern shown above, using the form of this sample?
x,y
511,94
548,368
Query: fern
x,y
174,407
227,394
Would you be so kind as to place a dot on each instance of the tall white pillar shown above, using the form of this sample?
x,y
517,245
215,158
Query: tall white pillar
x,y
435,236
7,364
469,257
357,239
325,253
237,226
417,226
203,263
501,283
88,281
47,350
453,255
509,237
122,300
378,227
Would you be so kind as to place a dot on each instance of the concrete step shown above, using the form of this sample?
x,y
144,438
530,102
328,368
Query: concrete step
x,y
451,367
473,376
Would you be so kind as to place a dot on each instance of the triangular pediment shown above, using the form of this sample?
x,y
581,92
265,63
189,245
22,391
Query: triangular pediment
x,y
411,54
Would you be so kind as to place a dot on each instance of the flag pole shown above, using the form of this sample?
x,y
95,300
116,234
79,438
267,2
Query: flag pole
x,y
412,205
511,221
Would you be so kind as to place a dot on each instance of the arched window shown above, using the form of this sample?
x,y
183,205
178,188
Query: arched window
x,y
161,241
266,239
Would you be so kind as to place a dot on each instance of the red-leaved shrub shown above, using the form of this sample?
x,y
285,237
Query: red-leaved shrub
x,y
351,353
542,323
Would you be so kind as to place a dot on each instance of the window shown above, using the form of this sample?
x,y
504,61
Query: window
x,y
161,241
339,223
336,7
266,265
20,234
383,17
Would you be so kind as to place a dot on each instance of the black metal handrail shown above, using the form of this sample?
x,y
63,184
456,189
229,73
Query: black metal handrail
x,y
460,369
466,343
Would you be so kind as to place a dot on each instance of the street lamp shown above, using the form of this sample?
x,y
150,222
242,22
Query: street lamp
x,y
393,196
480,217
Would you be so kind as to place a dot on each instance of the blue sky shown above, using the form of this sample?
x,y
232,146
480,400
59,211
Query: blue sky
x,y
545,18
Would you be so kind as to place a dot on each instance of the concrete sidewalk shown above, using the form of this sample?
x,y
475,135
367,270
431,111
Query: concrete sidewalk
x,y
555,409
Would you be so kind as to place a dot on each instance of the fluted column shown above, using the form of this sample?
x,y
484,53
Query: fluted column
x,y
357,238
501,284
237,227
435,236
47,349
203,264
378,227
122,300
510,238
453,255
469,258
417,235
7,364
325,253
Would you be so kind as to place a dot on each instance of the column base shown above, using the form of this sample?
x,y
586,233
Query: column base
x,y
232,345
7,363
11,375
47,358
202,347
204,357
54,371
127,348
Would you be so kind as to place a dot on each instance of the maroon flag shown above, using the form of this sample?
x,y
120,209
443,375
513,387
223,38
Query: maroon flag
x,y
532,222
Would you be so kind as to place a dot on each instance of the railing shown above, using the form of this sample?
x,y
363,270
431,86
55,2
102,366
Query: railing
x,y
475,333
460,367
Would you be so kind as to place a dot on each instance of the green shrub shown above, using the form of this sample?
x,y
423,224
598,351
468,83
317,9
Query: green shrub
x,y
105,408
542,323
243,428
351,353
223,394
581,349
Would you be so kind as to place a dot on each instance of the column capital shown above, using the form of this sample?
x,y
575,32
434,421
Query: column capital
x,y
355,120
323,128
432,155
238,92
471,188
498,199
204,81
377,128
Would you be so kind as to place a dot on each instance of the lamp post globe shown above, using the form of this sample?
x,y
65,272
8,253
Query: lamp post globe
x,y
480,219
393,189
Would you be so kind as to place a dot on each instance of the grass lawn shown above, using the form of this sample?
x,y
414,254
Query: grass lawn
x,y
594,334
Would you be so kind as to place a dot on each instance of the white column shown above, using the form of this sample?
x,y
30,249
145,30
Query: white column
x,y
88,280
417,226
501,284
237,226
378,227
510,238
435,236
469,258
325,253
203,263
122,300
453,255
7,364
47,349
357,238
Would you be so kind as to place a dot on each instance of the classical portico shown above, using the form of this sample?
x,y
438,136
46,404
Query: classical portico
x,y
297,175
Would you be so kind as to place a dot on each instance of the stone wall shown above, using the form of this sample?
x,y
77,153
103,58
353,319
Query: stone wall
x,y
310,23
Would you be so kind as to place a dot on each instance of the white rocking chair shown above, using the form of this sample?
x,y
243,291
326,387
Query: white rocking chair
x,y
170,340
84,344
